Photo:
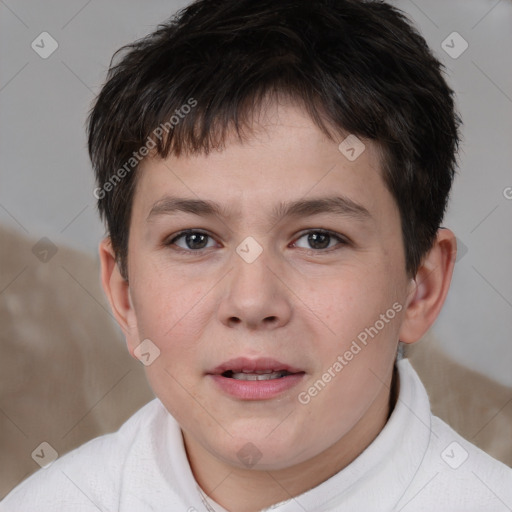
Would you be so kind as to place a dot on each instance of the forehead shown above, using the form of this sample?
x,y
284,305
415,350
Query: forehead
x,y
285,159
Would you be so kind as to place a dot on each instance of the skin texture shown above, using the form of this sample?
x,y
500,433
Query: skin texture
x,y
296,303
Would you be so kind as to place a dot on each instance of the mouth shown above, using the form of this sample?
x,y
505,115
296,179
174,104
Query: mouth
x,y
259,375
255,379
262,368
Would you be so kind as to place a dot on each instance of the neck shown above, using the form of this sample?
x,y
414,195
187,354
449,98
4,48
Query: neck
x,y
249,490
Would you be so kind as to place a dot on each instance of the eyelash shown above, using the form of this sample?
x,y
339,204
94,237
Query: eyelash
x,y
343,241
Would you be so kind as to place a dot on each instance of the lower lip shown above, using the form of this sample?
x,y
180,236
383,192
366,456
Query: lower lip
x,y
257,389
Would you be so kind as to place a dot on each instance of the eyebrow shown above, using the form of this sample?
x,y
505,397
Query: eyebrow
x,y
337,205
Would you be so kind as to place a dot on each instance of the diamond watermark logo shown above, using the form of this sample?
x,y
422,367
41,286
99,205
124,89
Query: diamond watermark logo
x,y
45,454
44,45
249,249
147,352
454,45
44,250
462,249
249,455
351,147
454,455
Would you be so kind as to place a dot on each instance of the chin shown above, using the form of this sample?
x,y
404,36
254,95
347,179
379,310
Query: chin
x,y
265,450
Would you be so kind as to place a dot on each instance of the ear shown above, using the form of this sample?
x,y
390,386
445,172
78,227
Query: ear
x,y
429,288
117,290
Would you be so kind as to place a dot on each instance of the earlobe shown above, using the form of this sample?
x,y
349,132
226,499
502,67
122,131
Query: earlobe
x,y
429,288
116,289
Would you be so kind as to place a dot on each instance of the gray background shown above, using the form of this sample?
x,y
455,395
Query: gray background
x,y
46,182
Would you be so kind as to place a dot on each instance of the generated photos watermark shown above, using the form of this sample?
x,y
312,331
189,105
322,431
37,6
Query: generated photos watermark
x,y
137,156
344,359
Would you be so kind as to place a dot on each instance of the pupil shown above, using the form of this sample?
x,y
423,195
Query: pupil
x,y
192,240
314,239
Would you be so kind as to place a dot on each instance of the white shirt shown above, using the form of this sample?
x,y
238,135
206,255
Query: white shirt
x,y
416,463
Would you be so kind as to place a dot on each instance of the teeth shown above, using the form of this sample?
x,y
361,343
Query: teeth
x,y
259,375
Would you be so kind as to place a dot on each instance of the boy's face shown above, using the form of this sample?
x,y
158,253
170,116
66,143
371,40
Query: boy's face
x,y
301,302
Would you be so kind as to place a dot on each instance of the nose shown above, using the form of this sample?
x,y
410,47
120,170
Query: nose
x,y
255,295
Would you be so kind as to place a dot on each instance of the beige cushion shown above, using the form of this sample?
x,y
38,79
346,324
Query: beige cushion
x,y
65,373
477,407
66,376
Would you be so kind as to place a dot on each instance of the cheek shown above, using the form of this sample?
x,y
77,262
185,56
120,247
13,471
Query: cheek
x,y
168,305
353,362
171,313
359,347
350,301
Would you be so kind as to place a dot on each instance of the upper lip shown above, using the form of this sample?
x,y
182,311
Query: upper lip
x,y
244,364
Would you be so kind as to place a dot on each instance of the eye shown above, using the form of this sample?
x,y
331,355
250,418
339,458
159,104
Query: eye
x,y
320,240
192,240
